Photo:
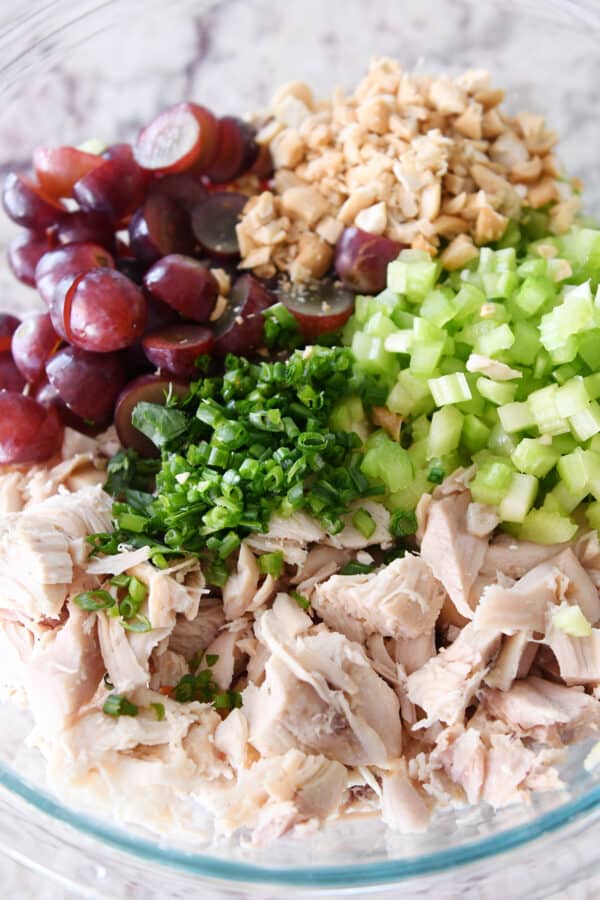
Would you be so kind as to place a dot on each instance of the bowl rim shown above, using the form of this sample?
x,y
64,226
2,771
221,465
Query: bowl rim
x,y
384,872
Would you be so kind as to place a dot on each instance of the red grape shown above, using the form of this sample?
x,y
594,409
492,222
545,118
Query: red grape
x,y
159,227
186,190
317,307
87,383
10,377
33,343
103,311
236,150
150,389
71,260
115,188
178,138
177,347
361,259
185,284
27,204
24,253
29,432
263,164
214,223
85,227
241,328
8,326
48,396
58,168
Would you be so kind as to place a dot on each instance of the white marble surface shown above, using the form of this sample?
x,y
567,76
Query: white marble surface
x,y
232,56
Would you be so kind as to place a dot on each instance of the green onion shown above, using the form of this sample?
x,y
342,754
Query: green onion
x,y
355,568
211,659
403,523
304,602
139,625
159,711
118,705
363,521
91,601
271,563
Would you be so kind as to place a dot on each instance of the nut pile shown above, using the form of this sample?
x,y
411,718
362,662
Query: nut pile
x,y
431,162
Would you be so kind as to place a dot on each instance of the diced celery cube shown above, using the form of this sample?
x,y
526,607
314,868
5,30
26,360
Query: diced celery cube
x,y
399,341
500,442
572,397
561,500
414,274
519,498
570,619
592,514
468,302
500,338
500,284
526,344
410,395
564,373
410,495
492,481
532,457
475,434
438,306
572,470
420,428
588,347
424,358
533,294
445,431
534,266
543,406
448,389
592,385
379,325
498,392
371,354
516,417
586,423
544,527
389,463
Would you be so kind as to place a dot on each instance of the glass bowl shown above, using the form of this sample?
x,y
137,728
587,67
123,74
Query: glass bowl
x,y
77,70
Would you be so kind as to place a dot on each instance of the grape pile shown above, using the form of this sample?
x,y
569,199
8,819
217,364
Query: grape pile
x,y
120,246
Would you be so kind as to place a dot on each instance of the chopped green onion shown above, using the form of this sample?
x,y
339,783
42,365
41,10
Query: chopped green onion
x,y
159,711
271,563
304,602
355,568
403,523
118,705
91,601
363,521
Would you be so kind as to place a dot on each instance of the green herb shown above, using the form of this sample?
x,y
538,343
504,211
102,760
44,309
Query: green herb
x,y
159,711
228,700
271,563
242,446
356,568
139,625
435,475
128,471
161,424
403,523
118,705
211,659
91,601
281,327
304,602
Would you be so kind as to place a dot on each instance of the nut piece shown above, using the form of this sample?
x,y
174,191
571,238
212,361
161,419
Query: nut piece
x,y
374,115
305,203
490,226
313,259
223,280
287,149
459,252
372,219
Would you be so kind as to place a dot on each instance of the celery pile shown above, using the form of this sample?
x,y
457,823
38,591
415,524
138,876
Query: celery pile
x,y
497,364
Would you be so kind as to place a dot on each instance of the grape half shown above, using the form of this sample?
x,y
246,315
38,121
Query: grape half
x,y
58,168
176,348
361,260
115,188
178,138
318,307
25,203
214,224
88,383
104,311
236,150
68,261
24,253
159,227
241,328
184,284
33,343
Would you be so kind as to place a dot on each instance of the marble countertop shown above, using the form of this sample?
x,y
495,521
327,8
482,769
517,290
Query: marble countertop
x,y
234,51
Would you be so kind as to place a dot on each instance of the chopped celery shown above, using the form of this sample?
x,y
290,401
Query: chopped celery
x,y
572,470
500,442
410,395
561,500
438,306
586,423
500,338
545,527
420,428
347,414
532,457
569,618
534,293
572,397
545,412
414,274
500,284
564,373
388,462
372,356
498,392
379,325
400,341
410,495
475,434
592,385
445,431
468,302
593,514
519,498
588,347
448,389
492,481
424,358
516,417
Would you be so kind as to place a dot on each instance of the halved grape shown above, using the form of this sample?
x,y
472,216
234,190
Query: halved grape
x,y
85,227
149,389
263,164
104,311
178,138
214,223
176,348
68,261
236,150
10,377
361,259
186,190
159,227
25,203
318,307
33,343
241,328
58,168
88,383
24,253
184,284
29,432
115,188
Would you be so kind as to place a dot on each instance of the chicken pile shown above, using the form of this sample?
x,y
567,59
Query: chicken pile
x,y
438,679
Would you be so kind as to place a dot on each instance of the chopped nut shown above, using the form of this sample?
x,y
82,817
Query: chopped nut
x,y
560,270
431,198
470,122
313,259
223,280
459,252
447,96
422,243
260,256
543,192
329,229
287,149
562,215
450,226
220,307
374,115
372,219
359,200
490,226
547,251
492,124
306,203
489,98
528,171
509,151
